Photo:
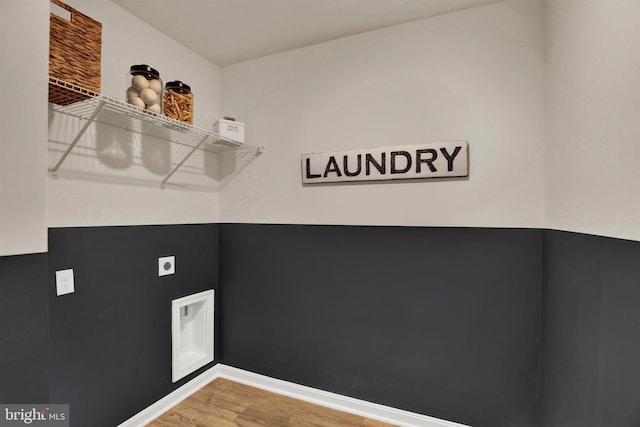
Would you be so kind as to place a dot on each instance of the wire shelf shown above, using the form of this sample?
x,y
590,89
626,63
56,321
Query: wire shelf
x,y
186,140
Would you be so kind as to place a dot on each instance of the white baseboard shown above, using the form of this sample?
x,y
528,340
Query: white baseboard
x,y
331,400
152,412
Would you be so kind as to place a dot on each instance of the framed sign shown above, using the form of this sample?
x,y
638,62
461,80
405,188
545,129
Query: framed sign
x,y
433,160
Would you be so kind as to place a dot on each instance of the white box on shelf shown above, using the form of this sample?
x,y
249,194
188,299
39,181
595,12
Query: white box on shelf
x,y
230,129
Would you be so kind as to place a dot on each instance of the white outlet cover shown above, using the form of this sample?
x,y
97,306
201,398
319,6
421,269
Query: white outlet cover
x,y
166,265
64,282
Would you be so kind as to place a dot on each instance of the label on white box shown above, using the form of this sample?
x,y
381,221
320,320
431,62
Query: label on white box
x,y
230,129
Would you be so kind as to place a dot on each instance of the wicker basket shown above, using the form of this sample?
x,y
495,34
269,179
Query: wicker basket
x,y
75,49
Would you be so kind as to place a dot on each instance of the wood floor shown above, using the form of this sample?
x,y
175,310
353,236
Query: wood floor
x,y
224,403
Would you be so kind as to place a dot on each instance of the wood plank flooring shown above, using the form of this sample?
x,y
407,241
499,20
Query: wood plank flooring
x,y
224,403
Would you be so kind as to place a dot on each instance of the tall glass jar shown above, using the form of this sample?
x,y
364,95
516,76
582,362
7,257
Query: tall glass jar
x,y
177,102
144,88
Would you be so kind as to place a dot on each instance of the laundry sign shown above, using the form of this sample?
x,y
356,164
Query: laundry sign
x,y
433,160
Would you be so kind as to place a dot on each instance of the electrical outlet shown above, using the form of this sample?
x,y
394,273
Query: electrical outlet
x,y
64,282
166,265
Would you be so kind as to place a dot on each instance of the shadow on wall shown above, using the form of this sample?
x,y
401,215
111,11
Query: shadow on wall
x,y
106,153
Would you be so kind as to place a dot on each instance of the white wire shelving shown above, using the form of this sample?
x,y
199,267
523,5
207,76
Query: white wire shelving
x,y
187,150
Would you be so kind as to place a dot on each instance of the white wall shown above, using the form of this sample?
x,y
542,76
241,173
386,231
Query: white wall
x,y
24,46
94,201
593,117
476,75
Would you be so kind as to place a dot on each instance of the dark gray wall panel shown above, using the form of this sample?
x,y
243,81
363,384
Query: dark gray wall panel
x,y
439,321
23,329
591,331
110,352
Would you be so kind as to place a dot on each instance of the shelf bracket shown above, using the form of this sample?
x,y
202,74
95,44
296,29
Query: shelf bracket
x,y
54,171
193,150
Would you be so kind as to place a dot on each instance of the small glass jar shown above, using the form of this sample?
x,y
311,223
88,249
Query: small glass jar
x,y
144,88
177,102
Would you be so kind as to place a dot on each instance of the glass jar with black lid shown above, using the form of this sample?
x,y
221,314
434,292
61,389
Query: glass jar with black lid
x,y
177,101
144,88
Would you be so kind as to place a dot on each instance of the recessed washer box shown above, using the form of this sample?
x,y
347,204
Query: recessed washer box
x,y
191,333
